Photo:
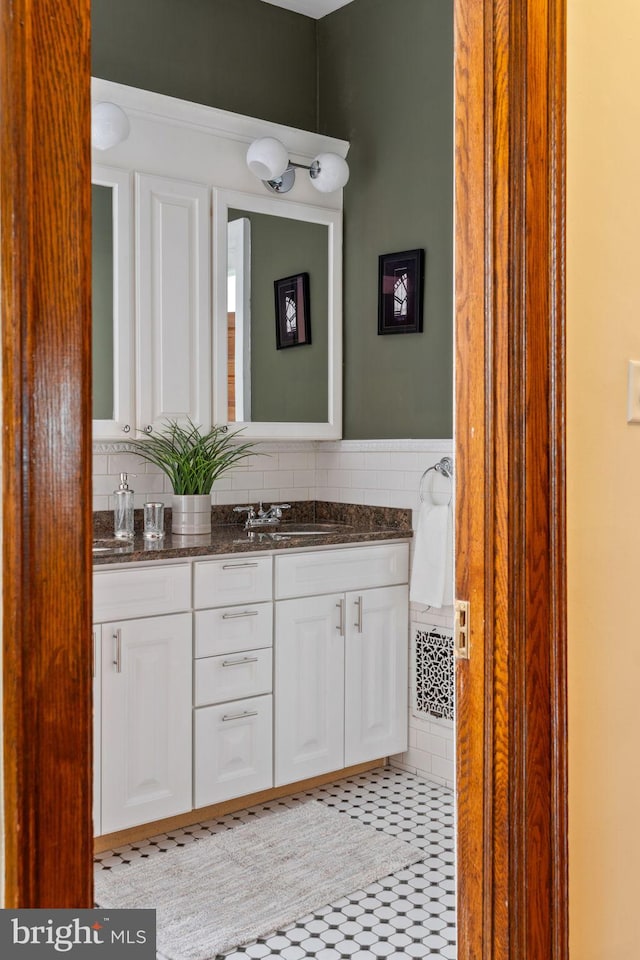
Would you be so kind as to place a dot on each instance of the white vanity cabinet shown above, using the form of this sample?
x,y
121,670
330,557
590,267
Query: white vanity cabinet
x,y
143,735
218,678
340,659
232,678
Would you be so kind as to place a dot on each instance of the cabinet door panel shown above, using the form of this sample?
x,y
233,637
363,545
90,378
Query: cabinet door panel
x,y
233,750
146,720
309,688
376,674
173,301
97,729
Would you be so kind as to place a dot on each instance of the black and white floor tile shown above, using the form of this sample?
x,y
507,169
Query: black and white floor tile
x,y
410,914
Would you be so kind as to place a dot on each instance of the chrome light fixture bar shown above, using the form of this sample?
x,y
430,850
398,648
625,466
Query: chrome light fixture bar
x,y
268,160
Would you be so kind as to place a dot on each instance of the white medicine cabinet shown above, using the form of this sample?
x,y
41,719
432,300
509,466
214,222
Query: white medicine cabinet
x,y
188,247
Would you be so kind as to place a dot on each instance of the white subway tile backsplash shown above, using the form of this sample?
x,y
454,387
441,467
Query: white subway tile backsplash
x,y
294,493
338,478
227,497
245,480
266,495
392,480
304,478
126,463
347,495
305,460
278,478
377,461
328,460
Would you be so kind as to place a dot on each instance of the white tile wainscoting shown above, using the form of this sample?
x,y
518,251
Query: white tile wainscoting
x,y
383,473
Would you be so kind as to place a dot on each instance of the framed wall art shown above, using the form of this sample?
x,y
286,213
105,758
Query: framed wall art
x,y
400,292
293,320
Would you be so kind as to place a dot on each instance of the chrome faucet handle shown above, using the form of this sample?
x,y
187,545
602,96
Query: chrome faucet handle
x,y
248,510
277,508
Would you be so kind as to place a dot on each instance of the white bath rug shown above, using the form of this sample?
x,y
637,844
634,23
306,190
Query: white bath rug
x,y
233,887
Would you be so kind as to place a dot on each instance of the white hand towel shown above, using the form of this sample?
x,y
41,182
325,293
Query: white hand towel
x,y
432,570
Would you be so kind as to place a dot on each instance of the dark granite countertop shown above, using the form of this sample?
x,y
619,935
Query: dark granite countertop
x,y
361,524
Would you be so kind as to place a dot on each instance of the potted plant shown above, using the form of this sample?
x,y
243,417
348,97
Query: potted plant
x,y
193,461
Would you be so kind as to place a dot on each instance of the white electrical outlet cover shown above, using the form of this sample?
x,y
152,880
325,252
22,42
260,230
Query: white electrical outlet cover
x,y
633,392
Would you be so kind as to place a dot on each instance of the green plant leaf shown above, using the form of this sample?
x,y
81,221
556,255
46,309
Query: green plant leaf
x,y
191,459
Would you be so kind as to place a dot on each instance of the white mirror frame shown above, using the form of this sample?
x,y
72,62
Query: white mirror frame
x,y
122,424
223,200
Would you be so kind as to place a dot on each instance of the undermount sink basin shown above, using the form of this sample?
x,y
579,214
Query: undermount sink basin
x,y
292,529
112,545
311,529
282,531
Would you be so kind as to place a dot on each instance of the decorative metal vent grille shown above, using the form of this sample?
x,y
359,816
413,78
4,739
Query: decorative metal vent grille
x,y
433,660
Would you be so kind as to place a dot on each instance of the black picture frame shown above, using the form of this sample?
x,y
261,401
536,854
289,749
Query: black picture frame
x,y
401,292
293,315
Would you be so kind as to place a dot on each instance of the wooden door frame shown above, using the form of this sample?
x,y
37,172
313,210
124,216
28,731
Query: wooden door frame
x,y
510,522
45,245
510,478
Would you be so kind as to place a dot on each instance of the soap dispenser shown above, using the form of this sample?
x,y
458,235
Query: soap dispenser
x,y
123,510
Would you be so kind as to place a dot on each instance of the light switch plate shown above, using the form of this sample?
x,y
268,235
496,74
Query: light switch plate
x,y
633,392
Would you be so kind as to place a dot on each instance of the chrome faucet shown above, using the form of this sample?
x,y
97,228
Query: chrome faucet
x,y
263,517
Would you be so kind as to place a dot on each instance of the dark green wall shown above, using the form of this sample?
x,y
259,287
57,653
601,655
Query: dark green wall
x,y
240,55
386,86
375,72
288,384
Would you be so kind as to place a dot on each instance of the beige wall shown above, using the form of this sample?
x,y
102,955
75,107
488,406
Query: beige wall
x,y
603,282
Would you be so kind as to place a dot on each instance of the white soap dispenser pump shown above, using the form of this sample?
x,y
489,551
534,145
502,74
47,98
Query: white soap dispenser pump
x,y
123,510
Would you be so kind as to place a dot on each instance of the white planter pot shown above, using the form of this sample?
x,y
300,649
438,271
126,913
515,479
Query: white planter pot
x,y
191,514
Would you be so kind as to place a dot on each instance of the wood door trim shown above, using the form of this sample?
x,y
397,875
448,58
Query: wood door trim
x,y
45,245
510,523
510,465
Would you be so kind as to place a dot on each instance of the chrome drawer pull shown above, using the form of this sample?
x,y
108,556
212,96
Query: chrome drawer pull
x,y
244,613
117,636
240,716
235,566
340,627
358,623
236,663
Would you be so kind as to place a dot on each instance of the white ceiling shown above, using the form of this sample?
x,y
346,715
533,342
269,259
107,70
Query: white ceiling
x,y
310,8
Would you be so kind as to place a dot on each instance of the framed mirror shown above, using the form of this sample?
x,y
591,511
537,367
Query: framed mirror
x,y
277,326
112,311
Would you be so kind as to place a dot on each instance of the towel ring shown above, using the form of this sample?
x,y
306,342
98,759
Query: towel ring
x,y
444,467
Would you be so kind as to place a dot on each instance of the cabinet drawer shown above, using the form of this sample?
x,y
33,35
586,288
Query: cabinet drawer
x,y
329,571
232,629
125,594
234,580
232,676
233,750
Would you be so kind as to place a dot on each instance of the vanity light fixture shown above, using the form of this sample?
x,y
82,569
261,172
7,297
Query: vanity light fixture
x,y
268,160
109,125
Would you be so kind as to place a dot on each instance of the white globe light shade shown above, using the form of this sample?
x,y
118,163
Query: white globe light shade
x,y
109,125
333,172
267,158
